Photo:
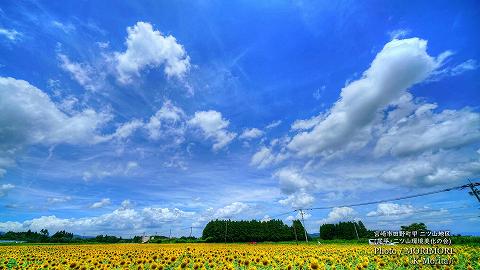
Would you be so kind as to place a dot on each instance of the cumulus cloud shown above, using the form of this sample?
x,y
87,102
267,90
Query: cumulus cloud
x,y
214,127
339,214
102,203
291,180
168,122
392,209
270,155
28,116
298,199
251,133
376,115
296,186
400,65
423,129
148,48
432,169
230,210
307,123
120,221
262,158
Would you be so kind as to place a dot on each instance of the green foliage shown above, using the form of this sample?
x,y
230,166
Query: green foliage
x,y
250,231
61,237
466,240
415,227
27,236
58,237
44,232
327,231
107,239
344,230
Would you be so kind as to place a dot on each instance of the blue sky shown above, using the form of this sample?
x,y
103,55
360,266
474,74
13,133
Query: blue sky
x,y
125,117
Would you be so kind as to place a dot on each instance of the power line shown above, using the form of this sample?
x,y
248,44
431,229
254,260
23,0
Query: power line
x,y
283,214
395,199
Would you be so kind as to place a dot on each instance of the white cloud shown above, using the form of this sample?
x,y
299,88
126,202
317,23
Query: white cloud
x,y
127,129
102,203
98,171
68,104
318,93
10,34
400,65
168,122
470,64
266,156
126,204
65,27
120,221
82,73
273,124
231,210
392,209
377,118
307,123
148,48
251,133
399,33
339,214
266,218
424,130
450,71
298,199
54,200
298,216
296,186
28,116
262,158
5,188
213,126
131,165
432,169
291,180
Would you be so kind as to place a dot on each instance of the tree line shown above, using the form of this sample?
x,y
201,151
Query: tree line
x,y
345,231
251,231
59,237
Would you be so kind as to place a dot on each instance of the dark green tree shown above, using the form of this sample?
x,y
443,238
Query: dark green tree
x,y
415,227
248,231
327,232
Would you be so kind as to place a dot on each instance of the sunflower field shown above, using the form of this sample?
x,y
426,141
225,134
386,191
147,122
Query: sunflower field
x,y
228,256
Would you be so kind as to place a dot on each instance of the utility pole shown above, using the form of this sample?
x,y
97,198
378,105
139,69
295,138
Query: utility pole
x,y
474,191
191,231
304,228
355,226
295,231
226,224
170,235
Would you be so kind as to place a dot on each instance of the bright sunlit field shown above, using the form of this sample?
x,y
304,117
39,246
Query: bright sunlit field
x,y
220,256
